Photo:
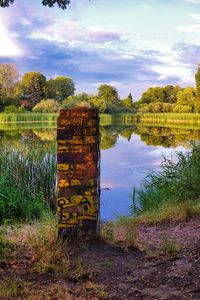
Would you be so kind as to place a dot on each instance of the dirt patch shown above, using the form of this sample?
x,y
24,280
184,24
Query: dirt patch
x,y
99,270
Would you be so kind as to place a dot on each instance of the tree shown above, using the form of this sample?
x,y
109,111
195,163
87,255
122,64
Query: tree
x,y
186,97
34,87
47,106
128,102
197,79
130,96
170,93
61,3
108,93
1,97
9,77
60,88
154,94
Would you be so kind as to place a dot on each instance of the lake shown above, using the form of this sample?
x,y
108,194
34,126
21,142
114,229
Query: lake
x,y
128,154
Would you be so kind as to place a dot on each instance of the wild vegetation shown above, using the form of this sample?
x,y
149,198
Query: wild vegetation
x,y
176,183
27,182
33,92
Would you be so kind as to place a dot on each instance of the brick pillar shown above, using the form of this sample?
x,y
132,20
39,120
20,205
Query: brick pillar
x,y
78,165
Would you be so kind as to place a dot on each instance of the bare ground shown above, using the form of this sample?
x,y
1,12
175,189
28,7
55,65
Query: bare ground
x,y
156,262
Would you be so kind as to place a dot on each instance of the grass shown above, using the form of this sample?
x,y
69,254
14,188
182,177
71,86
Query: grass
x,y
12,289
168,118
27,182
171,247
177,182
27,117
48,253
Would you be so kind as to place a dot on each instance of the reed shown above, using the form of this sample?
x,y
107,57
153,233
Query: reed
x,y
177,182
168,118
27,117
27,182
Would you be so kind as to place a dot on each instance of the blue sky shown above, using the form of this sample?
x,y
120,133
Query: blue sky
x,y
131,44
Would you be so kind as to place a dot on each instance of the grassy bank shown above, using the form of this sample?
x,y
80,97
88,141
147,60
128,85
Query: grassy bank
x,y
172,193
166,119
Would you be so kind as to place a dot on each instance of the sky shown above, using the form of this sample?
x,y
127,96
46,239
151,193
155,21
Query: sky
x,y
130,44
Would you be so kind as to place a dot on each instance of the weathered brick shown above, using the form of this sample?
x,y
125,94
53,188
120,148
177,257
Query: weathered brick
x,y
78,168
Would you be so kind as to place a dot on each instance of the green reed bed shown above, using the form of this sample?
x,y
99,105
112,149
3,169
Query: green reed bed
x,y
27,117
26,125
27,182
168,118
176,183
106,119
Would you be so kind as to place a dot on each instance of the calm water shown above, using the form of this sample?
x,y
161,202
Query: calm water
x,y
128,154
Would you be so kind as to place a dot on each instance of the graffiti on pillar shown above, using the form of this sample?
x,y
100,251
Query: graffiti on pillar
x,y
78,165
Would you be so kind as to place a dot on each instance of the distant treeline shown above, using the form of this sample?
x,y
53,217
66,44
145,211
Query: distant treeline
x,y
33,92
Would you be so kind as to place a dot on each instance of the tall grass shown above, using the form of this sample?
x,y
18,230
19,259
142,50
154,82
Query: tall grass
x,y
168,118
27,117
27,182
177,182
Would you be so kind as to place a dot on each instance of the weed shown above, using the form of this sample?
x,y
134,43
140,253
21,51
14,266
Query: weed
x,y
6,246
107,231
171,247
13,289
109,263
131,238
48,253
102,294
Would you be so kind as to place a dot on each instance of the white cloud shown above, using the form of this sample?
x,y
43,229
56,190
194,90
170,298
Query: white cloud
x,y
193,1
8,48
192,28
72,33
195,16
181,71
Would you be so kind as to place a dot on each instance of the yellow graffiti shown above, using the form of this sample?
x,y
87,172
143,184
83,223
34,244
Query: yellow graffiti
x,y
63,167
78,191
63,183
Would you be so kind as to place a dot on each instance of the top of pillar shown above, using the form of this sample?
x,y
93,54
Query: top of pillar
x,y
79,109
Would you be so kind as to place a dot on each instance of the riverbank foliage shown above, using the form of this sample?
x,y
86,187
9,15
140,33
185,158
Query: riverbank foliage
x,y
176,183
27,117
27,182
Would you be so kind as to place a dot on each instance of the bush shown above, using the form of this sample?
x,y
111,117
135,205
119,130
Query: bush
x,y
47,106
21,109
183,109
10,109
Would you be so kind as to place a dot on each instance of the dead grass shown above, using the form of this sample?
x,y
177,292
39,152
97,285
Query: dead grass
x,y
13,289
48,253
178,212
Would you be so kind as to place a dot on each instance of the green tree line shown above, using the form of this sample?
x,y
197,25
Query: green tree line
x,y
171,99
33,92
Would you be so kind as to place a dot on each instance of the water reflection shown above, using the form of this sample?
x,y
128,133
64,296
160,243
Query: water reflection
x,y
128,153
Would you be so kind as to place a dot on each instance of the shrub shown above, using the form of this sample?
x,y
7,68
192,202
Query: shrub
x,y
47,106
10,109
183,109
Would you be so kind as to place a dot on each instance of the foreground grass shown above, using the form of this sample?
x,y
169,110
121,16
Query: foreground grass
x,y
177,182
27,182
